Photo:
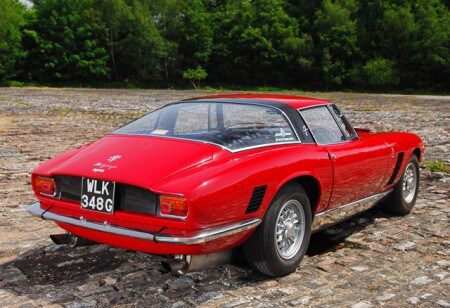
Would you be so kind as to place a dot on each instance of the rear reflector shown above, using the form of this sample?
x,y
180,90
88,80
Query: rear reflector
x,y
45,186
173,206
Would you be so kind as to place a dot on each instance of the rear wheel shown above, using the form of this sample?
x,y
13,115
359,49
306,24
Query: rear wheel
x,y
277,247
402,199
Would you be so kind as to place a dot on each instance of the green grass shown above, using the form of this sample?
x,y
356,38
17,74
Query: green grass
x,y
20,102
218,87
437,166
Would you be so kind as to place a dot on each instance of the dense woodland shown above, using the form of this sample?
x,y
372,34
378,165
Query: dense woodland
x,y
322,44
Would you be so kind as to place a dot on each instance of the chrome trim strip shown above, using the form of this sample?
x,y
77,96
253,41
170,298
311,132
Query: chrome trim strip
x,y
215,144
332,216
36,210
169,137
195,237
210,234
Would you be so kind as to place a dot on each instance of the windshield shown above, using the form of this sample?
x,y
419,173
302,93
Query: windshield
x,y
234,126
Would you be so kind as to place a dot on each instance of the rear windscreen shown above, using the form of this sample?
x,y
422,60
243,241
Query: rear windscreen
x,y
234,126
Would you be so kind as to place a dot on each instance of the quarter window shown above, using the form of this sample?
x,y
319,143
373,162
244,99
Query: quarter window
x,y
322,125
346,128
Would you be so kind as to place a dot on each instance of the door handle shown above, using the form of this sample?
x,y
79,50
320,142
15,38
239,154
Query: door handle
x,y
332,157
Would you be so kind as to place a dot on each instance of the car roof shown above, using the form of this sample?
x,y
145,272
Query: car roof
x,y
293,101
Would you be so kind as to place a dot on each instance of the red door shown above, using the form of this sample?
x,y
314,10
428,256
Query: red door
x,y
359,164
359,167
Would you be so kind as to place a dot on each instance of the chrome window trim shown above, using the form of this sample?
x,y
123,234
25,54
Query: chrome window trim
x,y
312,134
330,106
298,141
196,237
215,144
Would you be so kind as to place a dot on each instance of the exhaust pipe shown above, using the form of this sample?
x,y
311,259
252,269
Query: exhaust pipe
x,y
175,266
71,240
188,263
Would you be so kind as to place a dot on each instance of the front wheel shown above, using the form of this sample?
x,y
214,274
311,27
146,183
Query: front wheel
x,y
403,197
277,247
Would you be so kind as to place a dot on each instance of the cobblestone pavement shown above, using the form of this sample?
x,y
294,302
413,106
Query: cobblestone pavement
x,y
372,259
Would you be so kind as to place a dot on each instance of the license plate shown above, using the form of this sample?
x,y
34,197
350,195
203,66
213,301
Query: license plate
x,y
97,195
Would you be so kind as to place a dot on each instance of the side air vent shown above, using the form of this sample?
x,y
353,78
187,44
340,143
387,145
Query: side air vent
x,y
256,199
398,164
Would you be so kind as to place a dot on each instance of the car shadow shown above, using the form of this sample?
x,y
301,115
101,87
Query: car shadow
x,y
335,237
105,274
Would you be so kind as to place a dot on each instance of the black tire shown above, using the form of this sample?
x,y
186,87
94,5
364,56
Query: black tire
x,y
395,203
261,249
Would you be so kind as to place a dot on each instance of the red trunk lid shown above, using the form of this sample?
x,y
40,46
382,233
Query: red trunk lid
x,y
135,160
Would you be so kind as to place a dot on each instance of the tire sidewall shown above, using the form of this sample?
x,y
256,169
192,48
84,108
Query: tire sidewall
x,y
409,206
278,264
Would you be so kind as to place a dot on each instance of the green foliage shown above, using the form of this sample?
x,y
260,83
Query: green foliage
x,y
335,29
63,44
14,83
11,53
254,42
290,43
195,75
437,166
130,35
380,73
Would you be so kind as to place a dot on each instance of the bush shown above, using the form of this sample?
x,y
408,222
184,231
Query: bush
x,y
381,73
14,83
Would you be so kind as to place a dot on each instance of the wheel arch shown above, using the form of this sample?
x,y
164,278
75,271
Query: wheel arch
x,y
310,184
418,153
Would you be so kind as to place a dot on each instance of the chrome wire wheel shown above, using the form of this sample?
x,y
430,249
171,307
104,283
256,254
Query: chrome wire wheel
x,y
409,184
290,229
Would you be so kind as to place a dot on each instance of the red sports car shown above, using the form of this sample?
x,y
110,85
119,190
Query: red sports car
x,y
197,178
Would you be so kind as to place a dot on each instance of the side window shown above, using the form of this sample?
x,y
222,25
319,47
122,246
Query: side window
x,y
250,125
343,123
322,125
235,115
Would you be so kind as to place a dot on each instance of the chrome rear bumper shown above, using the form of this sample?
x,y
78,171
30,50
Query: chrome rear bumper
x,y
195,237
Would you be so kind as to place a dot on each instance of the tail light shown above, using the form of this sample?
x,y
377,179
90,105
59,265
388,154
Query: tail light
x,y
173,206
43,185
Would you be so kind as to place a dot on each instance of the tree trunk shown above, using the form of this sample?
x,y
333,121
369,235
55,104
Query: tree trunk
x,y
111,50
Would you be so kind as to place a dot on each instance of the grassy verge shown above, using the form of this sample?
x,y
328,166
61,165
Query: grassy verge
x,y
226,88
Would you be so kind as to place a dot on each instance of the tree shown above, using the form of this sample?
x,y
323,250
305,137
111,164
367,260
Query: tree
x,y
11,53
195,75
320,43
336,41
432,45
195,36
252,41
380,73
412,33
62,43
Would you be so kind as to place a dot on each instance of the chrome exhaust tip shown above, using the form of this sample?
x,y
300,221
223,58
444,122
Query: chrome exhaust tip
x,y
181,264
71,240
